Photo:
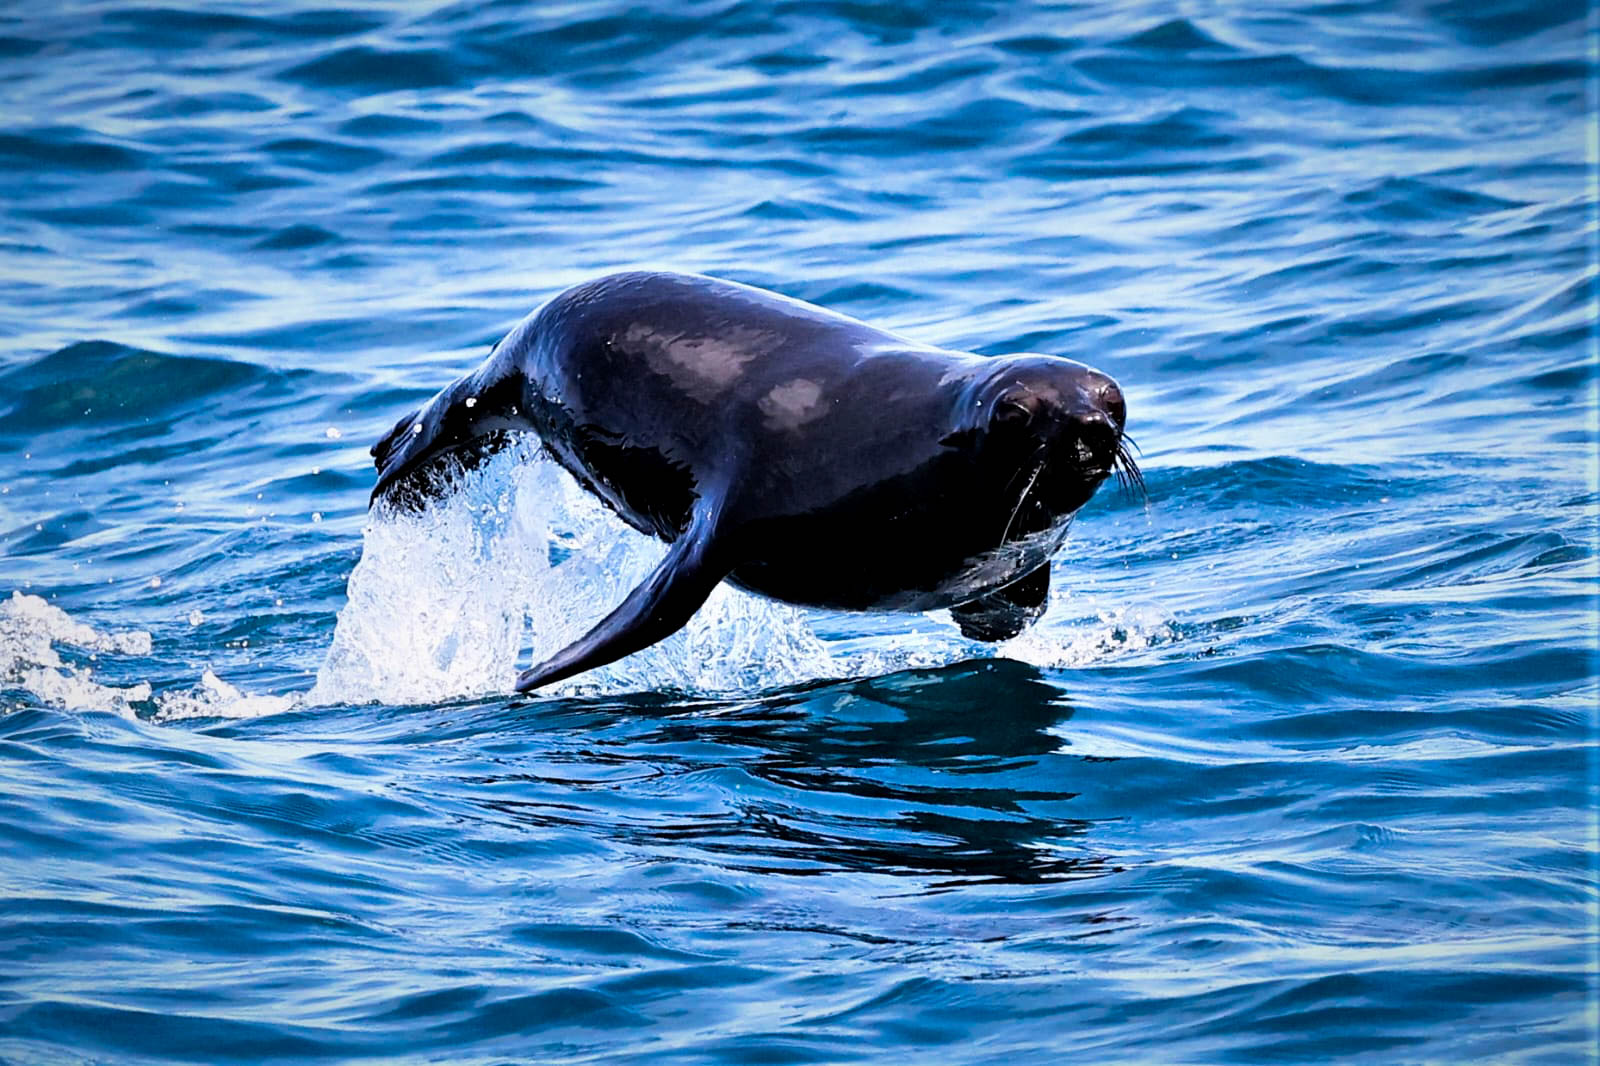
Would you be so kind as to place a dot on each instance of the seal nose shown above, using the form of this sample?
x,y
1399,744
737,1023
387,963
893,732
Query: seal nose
x,y
1096,436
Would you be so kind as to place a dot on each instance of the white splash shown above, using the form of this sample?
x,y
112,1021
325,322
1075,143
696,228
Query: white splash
x,y
518,560
1118,631
215,698
507,568
32,634
31,629
446,602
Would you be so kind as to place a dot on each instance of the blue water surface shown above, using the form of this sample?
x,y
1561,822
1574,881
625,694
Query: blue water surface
x,y
1302,766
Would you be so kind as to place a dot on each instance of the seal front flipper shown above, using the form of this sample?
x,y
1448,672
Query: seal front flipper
x,y
656,609
1007,611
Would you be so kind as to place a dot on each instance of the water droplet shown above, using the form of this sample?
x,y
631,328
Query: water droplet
x,y
416,427
472,401
332,433
155,582
316,516
196,616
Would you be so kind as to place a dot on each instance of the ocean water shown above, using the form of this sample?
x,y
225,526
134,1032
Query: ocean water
x,y
1300,766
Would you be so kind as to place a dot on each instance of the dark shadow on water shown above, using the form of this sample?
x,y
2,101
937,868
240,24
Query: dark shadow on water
x,y
971,718
945,776
946,717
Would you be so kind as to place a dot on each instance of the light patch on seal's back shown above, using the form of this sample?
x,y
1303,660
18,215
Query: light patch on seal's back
x,y
792,404
703,365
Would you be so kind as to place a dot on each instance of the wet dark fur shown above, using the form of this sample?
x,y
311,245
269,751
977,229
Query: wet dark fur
x,y
799,453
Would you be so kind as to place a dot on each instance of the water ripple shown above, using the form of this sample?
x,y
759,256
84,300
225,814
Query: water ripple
x,y
1300,765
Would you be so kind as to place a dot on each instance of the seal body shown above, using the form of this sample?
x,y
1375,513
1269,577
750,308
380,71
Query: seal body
x,y
799,453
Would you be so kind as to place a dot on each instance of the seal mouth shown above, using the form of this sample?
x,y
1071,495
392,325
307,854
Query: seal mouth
x,y
1056,481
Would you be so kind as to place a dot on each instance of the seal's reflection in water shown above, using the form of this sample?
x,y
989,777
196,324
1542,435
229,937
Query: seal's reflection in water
x,y
946,776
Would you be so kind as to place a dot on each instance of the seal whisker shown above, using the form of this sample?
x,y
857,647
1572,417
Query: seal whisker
x,y
1037,470
1129,476
1023,469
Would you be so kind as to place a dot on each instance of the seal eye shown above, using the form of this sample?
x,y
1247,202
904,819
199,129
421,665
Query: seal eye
x,y
1012,413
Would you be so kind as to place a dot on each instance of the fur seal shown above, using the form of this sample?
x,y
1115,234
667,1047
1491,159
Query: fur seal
x,y
796,452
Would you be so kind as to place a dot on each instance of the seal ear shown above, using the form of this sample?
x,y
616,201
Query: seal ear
x,y
656,609
961,438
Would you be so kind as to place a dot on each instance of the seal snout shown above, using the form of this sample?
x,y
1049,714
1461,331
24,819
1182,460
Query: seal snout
x,y
1101,422
1096,423
1095,436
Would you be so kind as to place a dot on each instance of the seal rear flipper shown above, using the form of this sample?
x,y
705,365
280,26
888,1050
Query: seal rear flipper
x,y
1007,611
656,609
469,419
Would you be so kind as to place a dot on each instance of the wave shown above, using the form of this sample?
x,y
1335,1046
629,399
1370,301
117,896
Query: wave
x,y
101,382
